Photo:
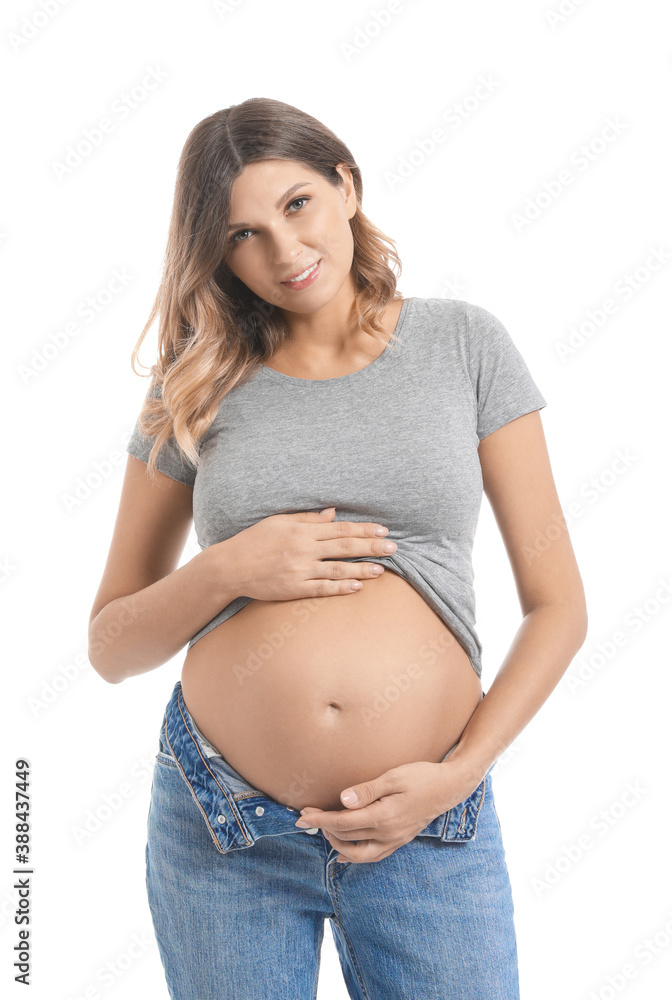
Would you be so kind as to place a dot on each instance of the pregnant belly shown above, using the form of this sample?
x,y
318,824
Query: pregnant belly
x,y
304,698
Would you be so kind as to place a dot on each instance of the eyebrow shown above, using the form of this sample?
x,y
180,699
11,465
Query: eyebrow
x,y
281,200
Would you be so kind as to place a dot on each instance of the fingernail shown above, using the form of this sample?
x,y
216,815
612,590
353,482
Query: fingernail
x,y
302,823
349,797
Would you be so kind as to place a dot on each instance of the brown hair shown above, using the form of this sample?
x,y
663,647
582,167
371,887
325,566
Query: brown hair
x,y
213,331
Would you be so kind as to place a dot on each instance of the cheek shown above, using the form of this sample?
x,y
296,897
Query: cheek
x,y
250,268
337,239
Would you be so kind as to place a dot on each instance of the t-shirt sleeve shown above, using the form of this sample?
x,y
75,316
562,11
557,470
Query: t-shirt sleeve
x,y
169,460
503,385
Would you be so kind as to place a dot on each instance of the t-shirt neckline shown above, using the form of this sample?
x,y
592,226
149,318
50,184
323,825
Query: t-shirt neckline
x,y
341,379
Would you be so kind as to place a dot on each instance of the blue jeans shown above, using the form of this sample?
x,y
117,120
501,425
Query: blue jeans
x,y
239,895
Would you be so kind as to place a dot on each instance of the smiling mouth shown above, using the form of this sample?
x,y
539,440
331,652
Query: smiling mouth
x,y
302,276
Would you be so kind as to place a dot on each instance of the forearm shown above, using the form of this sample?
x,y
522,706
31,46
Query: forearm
x,y
547,641
137,633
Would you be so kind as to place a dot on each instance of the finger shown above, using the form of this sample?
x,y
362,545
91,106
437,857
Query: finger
x,y
333,569
345,820
353,852
357,860
335,827
351,836
351,529
352,547
364,852
353,861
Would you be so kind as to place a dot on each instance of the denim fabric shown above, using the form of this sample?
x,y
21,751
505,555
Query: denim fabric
x,y
239,895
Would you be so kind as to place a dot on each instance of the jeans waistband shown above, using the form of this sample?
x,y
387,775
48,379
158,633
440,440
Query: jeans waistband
x,y
237,814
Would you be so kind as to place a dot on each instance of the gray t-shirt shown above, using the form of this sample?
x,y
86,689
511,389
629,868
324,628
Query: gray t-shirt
x,y
395,443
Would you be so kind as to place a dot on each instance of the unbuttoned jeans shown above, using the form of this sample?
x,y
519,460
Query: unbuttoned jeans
x,y
239,895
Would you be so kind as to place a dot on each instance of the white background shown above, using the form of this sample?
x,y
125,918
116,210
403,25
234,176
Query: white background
x,y
556,82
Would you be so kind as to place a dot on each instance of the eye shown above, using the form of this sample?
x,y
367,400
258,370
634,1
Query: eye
x,y
303,197
233,239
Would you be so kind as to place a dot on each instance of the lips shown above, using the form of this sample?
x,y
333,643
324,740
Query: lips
x,y
309,267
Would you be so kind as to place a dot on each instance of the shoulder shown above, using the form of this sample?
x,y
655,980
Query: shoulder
x,y
485,335
440,309
441,318
463,319
452,325
465,332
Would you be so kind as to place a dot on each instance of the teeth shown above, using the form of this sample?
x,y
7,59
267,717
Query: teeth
x,y
305,273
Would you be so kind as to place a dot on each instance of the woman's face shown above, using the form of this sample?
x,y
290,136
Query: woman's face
x,y
276,233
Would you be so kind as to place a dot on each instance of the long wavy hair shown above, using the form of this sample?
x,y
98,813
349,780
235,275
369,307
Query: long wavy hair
x,y
213,331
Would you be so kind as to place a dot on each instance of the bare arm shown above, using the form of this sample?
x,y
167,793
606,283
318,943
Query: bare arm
x,y
146,610
141,631
518,481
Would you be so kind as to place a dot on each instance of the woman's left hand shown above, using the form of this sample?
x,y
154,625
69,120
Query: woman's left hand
x,y
390,810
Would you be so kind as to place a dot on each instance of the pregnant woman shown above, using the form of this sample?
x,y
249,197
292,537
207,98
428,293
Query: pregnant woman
x,y
327,752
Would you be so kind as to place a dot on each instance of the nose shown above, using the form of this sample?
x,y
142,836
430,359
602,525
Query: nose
x,y
284,253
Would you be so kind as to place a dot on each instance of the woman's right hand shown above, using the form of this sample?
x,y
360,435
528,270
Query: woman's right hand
x,y
287,557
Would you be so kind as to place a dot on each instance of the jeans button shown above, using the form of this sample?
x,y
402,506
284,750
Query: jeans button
x,y
259,810
221,819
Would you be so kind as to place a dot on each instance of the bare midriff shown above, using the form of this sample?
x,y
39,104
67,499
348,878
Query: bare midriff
x,y
307,697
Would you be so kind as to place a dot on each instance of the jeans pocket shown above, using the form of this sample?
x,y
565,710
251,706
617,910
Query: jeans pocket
x,y
461,820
